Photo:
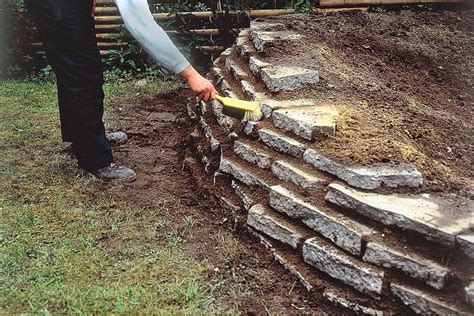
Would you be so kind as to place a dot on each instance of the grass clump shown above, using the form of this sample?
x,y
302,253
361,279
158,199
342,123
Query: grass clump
x,y
56,223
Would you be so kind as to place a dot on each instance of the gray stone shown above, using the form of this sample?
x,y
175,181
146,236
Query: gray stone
x,y
339,300
269,105
263,39
192,115
262,219
247,200
235,70
285,171
466,243
217,73
340,266
240,173
469,290
250,127
248,89
283,78
411,212
413,265
307,122
252,155
366,177
345,233
256,65
225,85
267,243
226,122
209,135
281,143
422,303
266,26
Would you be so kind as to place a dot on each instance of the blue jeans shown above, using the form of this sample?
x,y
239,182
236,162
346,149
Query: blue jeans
x,y
69,40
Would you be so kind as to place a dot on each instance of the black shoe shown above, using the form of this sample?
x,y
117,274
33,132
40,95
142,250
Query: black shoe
x,y
114,172
117,138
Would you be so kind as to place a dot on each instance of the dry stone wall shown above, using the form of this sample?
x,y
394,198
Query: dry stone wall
x,y
347,231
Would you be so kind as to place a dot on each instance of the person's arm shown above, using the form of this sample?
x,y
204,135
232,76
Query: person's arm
x,y
140,22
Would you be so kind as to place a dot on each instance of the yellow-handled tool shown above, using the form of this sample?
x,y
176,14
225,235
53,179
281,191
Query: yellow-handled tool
x,y
239,109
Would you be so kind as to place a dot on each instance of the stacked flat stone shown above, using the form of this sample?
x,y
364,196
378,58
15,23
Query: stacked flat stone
x,y
324,220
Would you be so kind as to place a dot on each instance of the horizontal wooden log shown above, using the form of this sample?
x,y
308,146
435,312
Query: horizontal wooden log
x,y
349,3
112,2
199,15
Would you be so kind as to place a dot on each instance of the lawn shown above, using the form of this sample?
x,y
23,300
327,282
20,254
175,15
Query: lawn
x,y
52,221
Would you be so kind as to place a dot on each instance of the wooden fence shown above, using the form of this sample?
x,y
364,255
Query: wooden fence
x,y
109,23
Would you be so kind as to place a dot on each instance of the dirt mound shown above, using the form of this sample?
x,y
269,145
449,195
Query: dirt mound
x,y
404,82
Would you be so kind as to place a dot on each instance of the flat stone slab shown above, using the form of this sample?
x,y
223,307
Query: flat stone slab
x,y
262,219
281,143
422,303
411,264
263,39
287,172
266,26
285,78
248,89
270,105
235,70
240,173
253,155
366,177
307,122
247,200
340,300
209,135
466,243
428,217
345,233
340,266
226,122
256,65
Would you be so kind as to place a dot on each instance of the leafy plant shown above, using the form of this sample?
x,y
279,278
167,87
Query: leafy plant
x,y
302,6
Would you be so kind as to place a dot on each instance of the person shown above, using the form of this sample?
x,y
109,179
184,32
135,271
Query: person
x,y
69,40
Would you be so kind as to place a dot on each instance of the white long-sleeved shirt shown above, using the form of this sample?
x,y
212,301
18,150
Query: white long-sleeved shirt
x,y
140,23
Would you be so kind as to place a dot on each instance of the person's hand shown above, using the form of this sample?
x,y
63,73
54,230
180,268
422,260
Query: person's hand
x,y
202,87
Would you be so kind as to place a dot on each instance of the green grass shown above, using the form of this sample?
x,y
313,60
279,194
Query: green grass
x,y
54,220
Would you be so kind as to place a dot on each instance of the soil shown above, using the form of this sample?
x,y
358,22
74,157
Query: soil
x,y
159,132
403,82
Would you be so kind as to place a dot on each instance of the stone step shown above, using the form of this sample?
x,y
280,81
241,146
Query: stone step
x,y
338,298
430,217
209,135
253,155
243,45
255,65
241,173
263,39
423,303
245,195
224,121
287,78
366,177
281,143
308,122
237,72
413,265
268,106
266,26
333,261
288,172
262,219
344,232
